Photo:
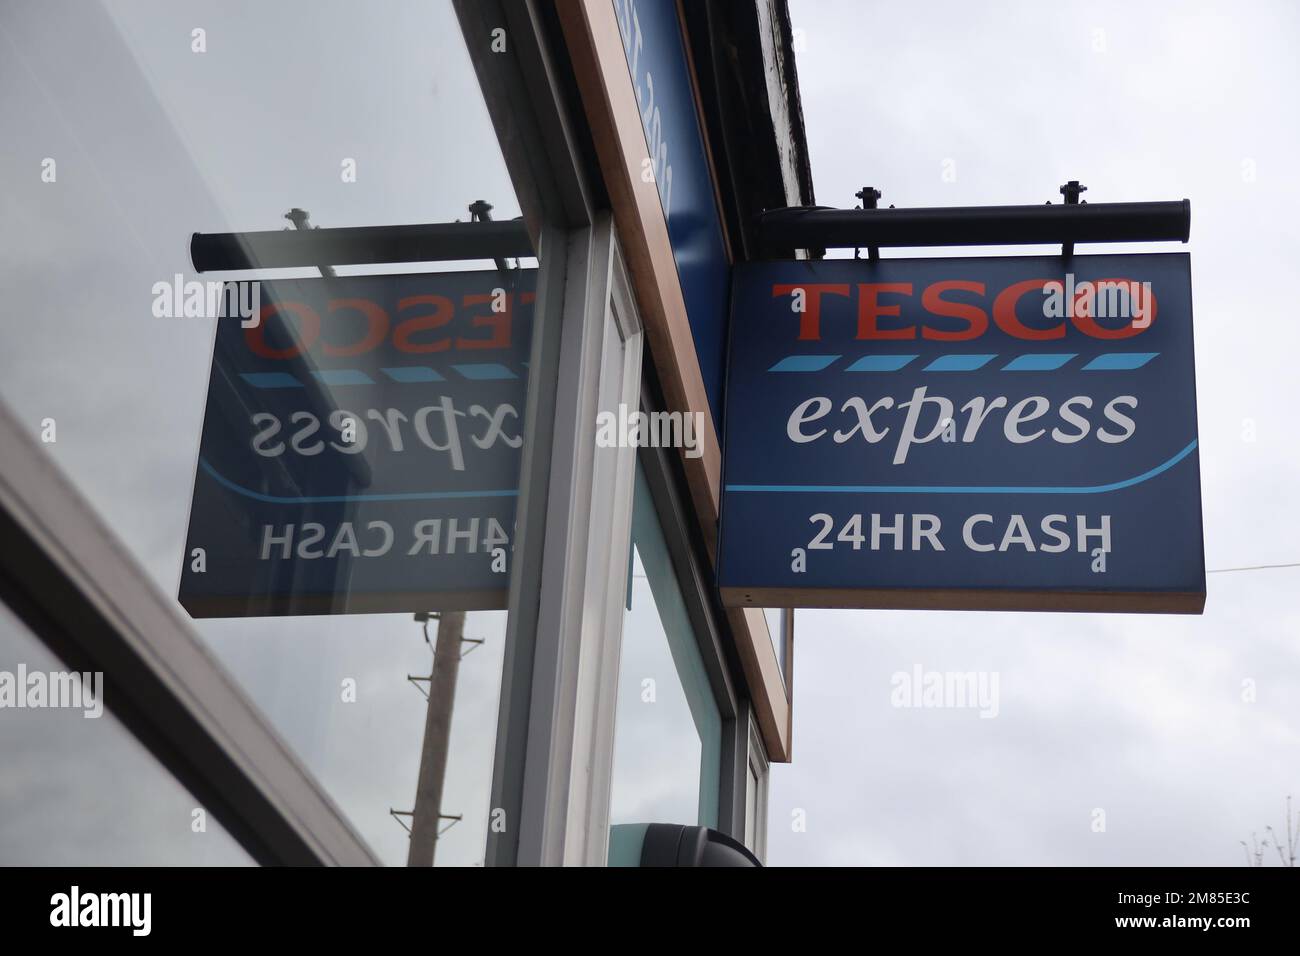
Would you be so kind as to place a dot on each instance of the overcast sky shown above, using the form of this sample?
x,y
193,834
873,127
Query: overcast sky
x,y
1142,717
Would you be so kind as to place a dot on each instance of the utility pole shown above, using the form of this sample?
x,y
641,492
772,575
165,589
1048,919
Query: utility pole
x,y
426,817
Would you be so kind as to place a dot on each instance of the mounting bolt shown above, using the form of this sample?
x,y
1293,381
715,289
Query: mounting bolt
x,y
1071,192
869,195
299,217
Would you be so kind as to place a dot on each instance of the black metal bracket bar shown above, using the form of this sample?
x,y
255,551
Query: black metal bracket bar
x,y
822,227
360,245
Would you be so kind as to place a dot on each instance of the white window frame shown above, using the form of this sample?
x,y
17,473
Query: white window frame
x,y
608,540
564,813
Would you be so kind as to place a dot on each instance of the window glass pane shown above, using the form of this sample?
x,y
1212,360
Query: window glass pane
x,y
355,451
77,788
668,732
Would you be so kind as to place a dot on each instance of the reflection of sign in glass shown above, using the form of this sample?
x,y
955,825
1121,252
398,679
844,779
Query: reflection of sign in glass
x,y
976,432
361,448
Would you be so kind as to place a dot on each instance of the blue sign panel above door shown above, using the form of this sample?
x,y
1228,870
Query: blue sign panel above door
x,y
678,161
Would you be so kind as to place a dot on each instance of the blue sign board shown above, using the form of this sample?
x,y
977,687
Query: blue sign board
x,y
677,159
1002,433
361,447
